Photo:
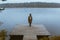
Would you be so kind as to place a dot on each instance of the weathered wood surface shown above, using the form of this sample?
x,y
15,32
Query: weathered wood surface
x,y
30,33
26,30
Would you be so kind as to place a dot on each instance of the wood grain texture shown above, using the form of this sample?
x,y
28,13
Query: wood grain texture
x,y
30,33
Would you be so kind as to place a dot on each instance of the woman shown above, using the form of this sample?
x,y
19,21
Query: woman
x,y
30,19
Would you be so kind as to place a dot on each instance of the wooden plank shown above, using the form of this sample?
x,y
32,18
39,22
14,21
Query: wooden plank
x,y
26,30
29,33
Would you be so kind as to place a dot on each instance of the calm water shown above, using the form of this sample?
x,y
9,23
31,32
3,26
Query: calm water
x,y
50,17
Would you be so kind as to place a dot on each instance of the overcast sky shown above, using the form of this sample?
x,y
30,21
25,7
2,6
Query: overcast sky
x,y
19,1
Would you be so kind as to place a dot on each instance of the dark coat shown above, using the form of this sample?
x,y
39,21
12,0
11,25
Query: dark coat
x,y
30,19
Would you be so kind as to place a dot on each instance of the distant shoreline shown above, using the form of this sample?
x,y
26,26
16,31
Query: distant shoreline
x,y
31,5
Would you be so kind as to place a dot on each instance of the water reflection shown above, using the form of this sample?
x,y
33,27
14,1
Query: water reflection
x,y
1,23
50,17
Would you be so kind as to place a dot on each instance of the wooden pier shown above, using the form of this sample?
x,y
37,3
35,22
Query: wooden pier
x,y
24,32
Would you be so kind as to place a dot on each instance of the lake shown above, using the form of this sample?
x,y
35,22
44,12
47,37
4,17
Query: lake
x,y
50,17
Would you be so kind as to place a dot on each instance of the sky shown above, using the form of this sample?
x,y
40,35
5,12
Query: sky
x,y
21,1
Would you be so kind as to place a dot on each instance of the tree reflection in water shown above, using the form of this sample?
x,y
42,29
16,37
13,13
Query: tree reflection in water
x,y
1,23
